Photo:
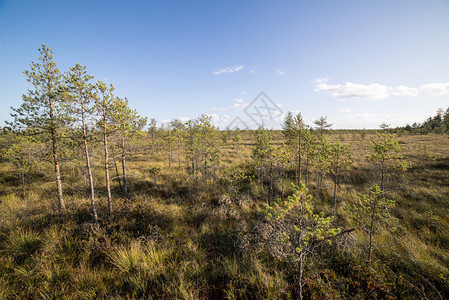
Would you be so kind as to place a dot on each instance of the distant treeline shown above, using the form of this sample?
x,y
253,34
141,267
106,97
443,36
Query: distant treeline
x,y
436,124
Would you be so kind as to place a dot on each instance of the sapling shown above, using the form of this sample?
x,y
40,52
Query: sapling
x,y
299,230
370,212
386,155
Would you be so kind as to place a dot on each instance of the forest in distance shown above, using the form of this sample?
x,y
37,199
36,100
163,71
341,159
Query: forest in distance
x,y
98,202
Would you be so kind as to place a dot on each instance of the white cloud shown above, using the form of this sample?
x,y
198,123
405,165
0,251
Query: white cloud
x,y
183,119
402,90
220,120
371,120
280,73
344,110
238,100
252,72
435,89
219,108
244,93
240,105
229,70
350,90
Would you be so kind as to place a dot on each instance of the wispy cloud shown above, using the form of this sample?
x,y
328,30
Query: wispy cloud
x,y
240,105
229,70
350,90
371,120
219,109
238,100
220,120
344,110
280,73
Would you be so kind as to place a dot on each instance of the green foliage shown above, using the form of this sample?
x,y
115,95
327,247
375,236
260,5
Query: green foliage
x,y
236,177
202,145
309,227
386,155
42,109
371,212
301,229
322,124
340,159
262,148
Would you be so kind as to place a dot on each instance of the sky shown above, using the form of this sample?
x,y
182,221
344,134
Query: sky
x,y
360,63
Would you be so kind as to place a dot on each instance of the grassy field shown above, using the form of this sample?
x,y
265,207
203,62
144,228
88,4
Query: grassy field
x,y
179,237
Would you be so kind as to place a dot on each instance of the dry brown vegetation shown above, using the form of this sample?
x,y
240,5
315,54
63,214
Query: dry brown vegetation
x,y
178,236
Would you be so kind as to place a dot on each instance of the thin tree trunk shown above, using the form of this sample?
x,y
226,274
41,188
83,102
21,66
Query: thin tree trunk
x,y
283,182
169,157
307,170
298,179
89,169
382,180
320,179
270,191
335,192
125,189
370,239
300,270
56,158
22,175
106,163
116,170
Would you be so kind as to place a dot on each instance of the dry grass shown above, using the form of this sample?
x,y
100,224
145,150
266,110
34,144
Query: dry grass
x,y
175,239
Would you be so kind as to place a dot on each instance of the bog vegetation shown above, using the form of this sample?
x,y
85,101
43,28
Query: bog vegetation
x,y
98,203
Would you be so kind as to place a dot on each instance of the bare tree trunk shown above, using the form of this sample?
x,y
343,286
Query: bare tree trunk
x,y
300,271
169,157
56,158
89,169
370,239
106,163
22,175
382,180
125,188
335,192
270,191
283,183
320,179
298,171
307,170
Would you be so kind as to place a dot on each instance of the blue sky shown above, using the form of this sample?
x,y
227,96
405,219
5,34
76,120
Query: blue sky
x,y
361,63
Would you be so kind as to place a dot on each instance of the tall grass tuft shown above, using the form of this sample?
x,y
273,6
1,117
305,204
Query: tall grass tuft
x,y
22,244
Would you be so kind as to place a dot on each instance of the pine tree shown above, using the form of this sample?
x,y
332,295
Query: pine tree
x,y
309,150
298,229
128,124
80,93
339,160
41,111
261,150
105,109
322,124
293,130
386,155
371,211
